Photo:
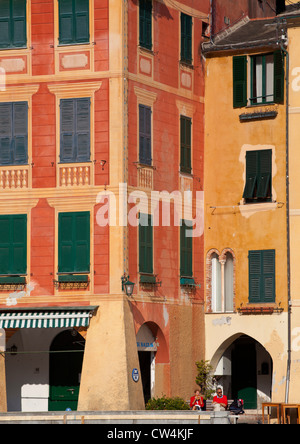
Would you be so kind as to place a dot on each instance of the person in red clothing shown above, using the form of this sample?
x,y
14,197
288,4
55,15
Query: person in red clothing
x,y
196,402
220,401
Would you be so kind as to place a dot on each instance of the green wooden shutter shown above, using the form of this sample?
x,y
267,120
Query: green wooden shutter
x,y
67,130
186,38
82,242
278,77
145,135
82,130
66,22
251,174
145,244
81,10
19,244
20,133
19,23
265,174
185,144
262,276
186,251
255,265
145,23
5,24
13,244
239,81
6,130
65,243
268,273
74,242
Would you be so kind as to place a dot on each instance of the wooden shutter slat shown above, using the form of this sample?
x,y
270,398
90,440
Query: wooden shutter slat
x,y
6,131
19,38
13,244
82,130
145,135
239,81
20,133
67,130
278,77
5,24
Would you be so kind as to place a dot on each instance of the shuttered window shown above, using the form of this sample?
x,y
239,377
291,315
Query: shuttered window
x,y
239,81
186,38
262,276
73,22
14,133
75,130
146,244
186,250
266,80
145,23
185,144
258,186
145,135
13,24
13,245
74,242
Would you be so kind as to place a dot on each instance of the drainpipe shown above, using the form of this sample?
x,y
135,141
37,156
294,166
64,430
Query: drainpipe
x,y
212,22
288,371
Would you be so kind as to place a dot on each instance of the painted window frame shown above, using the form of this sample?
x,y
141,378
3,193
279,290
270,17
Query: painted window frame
x,y
18,131
73,17
11,21
258,184
23,268
262,276
186,134
76,107
186,250
186,39
243,79
145,23
74,268
146,243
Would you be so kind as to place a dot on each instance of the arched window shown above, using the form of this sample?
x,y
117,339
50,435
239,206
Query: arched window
x,y
216,283
228,283
220,281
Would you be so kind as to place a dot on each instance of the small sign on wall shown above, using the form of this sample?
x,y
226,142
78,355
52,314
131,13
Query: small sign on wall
x,y
135,375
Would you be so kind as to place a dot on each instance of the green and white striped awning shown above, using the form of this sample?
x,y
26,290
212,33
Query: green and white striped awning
x,y
46,318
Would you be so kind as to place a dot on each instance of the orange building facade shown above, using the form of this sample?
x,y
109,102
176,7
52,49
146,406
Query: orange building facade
x,y
99,99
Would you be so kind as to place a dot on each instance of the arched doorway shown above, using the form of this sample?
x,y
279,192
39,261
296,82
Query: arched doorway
x,y
66,357
147,348
245,371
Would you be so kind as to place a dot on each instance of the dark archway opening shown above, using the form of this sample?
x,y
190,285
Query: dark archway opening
x,y
66,357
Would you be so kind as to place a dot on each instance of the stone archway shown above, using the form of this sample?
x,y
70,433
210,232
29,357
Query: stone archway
x,y
243,367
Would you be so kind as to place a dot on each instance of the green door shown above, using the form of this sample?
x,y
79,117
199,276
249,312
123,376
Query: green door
x,y
244,374
66,355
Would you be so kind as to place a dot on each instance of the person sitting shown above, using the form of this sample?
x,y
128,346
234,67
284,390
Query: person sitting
x,y
196,401
220,402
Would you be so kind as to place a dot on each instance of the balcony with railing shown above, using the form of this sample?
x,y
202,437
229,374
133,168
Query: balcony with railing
x,y
75,175
14,177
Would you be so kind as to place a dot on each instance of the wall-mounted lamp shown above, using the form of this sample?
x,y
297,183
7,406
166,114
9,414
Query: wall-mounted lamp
x,y
127,285
13,350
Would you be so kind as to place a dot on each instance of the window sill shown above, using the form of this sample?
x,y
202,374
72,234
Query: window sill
x,y
72,281
12,283
145,50
260,309
262,115
184,64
